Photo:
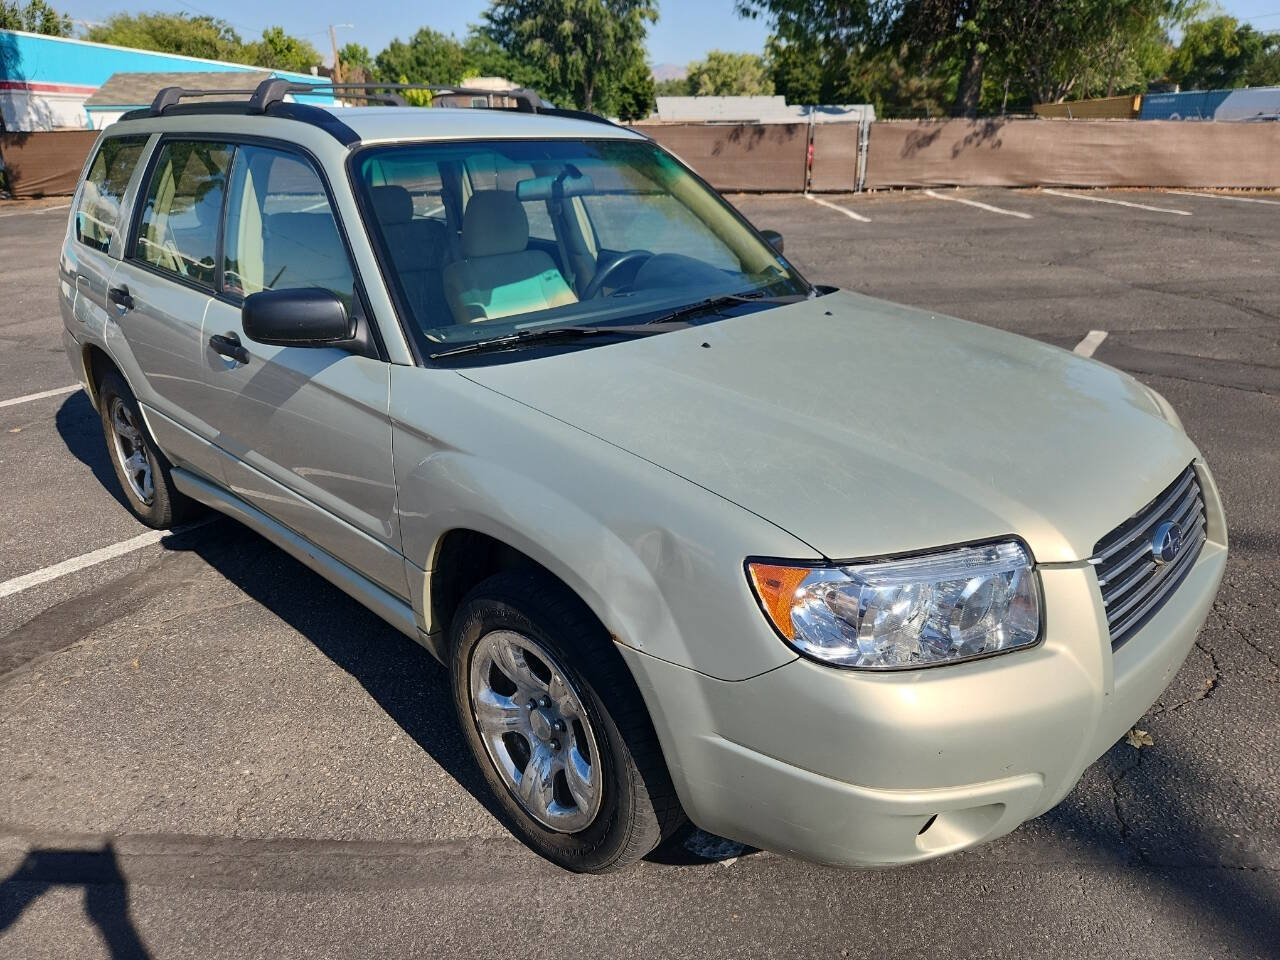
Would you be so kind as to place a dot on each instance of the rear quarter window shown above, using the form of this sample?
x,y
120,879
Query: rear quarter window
x,y
97,219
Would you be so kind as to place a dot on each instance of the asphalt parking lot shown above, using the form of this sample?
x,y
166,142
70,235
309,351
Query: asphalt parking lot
x,y
207,751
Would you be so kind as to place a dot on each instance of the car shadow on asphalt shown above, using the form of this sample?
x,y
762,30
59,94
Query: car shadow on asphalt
x,y
80,427
410,686
1165,840
405,681
106,893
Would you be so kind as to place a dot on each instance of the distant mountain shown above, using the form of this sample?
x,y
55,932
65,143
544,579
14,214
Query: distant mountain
x,y
668,71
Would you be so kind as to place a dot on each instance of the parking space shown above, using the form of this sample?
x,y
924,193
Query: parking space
x,y
272,771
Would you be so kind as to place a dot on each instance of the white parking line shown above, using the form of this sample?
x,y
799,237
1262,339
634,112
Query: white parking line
x,y
838,209
38,210
1118,203
37,577
978,204
40,396
1092,340
1225,196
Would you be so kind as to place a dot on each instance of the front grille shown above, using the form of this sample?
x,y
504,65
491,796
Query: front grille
x,y
1134,586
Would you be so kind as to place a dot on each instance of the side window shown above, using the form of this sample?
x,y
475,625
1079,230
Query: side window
x,y
422,180
178,229
98,209
281,233
540,226
654,221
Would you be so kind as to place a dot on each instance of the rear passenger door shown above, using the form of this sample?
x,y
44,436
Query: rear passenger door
x,y
306,430
158,295
98,232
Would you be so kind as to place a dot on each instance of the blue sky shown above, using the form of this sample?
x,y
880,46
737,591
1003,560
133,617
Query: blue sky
x,y
685,31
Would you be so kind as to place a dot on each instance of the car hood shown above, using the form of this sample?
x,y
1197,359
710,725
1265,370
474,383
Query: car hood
x,y
865,428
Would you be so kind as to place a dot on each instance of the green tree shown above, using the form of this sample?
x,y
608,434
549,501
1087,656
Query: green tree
x,y
797,70
415,98
1218,53
482,57
729,74
183,33
357,63
581,48
36,16
1265,71
355,55
428,57
634,97
281,51
1042,50
1055,49
671,87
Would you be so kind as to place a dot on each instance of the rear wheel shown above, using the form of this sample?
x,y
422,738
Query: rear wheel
x,y
583,785
141,468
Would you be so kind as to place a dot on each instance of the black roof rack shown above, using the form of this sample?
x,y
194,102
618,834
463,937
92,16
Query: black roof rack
x,y
270,95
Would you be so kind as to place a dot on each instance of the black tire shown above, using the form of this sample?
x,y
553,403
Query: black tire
x,y
167,507
639,807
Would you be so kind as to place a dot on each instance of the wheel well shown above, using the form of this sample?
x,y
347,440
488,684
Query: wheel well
x,y
463,559
96,364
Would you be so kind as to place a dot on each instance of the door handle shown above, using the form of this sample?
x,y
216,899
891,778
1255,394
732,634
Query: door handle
x,y
120,297
229,346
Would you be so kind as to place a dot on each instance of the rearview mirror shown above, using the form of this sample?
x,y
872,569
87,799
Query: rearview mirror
x,y
308,317
774,238
571,183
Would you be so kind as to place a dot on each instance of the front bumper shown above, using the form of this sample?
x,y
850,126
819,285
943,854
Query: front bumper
x,y
848,768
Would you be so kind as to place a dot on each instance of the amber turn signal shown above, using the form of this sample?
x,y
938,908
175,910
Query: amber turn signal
x,y
776,587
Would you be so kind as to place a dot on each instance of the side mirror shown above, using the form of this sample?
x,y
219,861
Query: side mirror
x,y
308,317
774,238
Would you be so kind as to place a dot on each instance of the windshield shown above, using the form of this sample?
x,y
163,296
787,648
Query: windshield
x,y
488,239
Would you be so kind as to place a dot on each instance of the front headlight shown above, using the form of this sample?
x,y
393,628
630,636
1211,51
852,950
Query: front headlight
x,y
916,612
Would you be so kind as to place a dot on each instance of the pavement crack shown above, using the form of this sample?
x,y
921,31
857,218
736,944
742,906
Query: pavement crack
x,y
1210,685
1126,830
1221,610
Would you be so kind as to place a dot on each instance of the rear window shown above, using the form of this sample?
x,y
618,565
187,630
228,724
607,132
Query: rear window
x,y
98,209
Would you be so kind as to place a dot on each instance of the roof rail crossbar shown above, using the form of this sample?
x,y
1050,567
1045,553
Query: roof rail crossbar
x,y
169,96
275,89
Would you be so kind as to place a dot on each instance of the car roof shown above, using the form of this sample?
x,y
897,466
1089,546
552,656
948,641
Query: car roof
x,y
355,126
380,124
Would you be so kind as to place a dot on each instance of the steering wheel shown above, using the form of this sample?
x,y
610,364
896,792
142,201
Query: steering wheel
x,y
613,266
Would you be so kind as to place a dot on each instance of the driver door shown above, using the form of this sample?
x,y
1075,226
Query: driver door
x,y
306,430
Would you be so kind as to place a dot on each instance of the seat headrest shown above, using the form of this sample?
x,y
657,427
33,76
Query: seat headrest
x,y
392,204
495,223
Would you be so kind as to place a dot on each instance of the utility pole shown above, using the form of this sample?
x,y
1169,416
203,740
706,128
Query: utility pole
x,y
337,64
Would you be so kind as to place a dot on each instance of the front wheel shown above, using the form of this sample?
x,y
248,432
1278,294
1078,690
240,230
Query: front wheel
x,y
583,785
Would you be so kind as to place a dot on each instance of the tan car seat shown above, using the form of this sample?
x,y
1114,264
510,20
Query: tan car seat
x,y
497,275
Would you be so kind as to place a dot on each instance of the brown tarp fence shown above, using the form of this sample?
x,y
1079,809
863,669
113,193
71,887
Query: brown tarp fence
x,y
47,163
765,157
1074,153
967,153
835,157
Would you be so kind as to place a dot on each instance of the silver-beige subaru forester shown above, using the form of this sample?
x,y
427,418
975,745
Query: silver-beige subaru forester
x,y
696,538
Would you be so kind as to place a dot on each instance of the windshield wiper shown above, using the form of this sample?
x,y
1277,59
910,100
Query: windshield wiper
x,y
723,300
523,338
675,320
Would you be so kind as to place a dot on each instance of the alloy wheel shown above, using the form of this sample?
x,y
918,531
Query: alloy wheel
x,y
536,731
131,452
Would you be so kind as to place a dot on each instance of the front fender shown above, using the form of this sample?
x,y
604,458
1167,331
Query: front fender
x,y
659,560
